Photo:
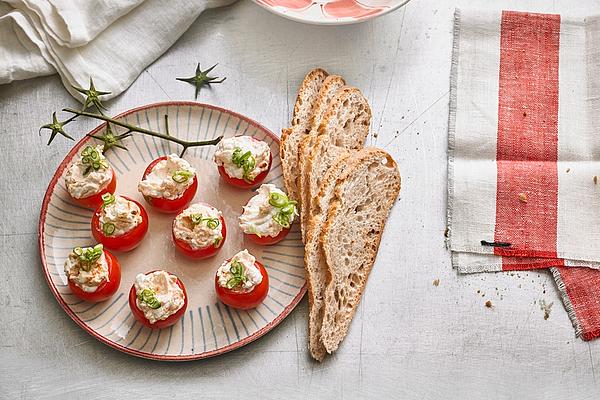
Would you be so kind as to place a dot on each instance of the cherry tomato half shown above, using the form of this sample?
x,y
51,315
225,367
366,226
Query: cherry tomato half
x,y
170,206
268,240
240,183
126,242
165,323
245,301
95,200
106,289
203,253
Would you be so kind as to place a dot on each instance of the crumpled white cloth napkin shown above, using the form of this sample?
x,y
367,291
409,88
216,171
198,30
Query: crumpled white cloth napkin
x,y
109,40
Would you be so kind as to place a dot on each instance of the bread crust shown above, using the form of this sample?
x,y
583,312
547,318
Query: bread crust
x,y
330,86
290,137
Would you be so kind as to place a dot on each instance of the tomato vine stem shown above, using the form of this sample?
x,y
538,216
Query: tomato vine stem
x,y
184,143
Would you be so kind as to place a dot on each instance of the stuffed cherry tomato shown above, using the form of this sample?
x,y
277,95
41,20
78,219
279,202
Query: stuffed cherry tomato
x,y
93,273
243,161
120,223
268,216
242,282
199,231
157,299
89,177
169,184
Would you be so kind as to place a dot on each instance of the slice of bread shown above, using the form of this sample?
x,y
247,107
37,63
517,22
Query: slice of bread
x,y
290,137
314,261
359,208
344,127
330,86
342,130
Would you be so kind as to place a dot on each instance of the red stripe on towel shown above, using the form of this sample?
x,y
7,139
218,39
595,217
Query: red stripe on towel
x,y
528,263
581,286
527,143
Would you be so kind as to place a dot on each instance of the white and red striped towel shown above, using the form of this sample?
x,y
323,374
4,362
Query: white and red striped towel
x,y
524,152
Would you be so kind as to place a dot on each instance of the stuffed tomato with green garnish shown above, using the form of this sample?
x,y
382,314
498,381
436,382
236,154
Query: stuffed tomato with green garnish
x,y
199,231
268,216
169,184
120,223
242,282
89,177
93,273
157,299
243,161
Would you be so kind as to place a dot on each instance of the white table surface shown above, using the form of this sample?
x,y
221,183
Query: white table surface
x,y
409,339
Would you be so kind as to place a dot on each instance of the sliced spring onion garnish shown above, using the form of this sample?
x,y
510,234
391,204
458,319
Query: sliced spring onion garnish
x,y
246,161
287,208
181,176
217,242
88,256
212,223
86,151
107,198
108,228
278,199
237,269
196,218
90,157
149,297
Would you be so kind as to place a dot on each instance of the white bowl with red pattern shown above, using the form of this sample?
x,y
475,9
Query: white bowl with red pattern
x,y
331,12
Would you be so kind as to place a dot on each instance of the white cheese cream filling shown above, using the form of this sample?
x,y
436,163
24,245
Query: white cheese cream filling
x,y
164,182
87,276
168,296
224,156
247,278
259,216
122,215
81,184
199,225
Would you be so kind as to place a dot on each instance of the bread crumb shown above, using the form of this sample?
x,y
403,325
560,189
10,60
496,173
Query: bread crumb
x,y
546,308
436,282
489,304
523,197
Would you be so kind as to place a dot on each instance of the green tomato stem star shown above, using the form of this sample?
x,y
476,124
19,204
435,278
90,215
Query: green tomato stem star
x,y
201,78
57,127
111,140
92,97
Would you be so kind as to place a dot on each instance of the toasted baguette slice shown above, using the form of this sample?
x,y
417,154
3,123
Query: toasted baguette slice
x,y
290,137
359,208
330,86
314,261
344,127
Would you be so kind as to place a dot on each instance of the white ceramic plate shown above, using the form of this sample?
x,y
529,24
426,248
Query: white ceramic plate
x,y
208,327
331,12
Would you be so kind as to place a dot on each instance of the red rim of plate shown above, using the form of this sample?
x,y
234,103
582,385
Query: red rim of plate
x,y
286,311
